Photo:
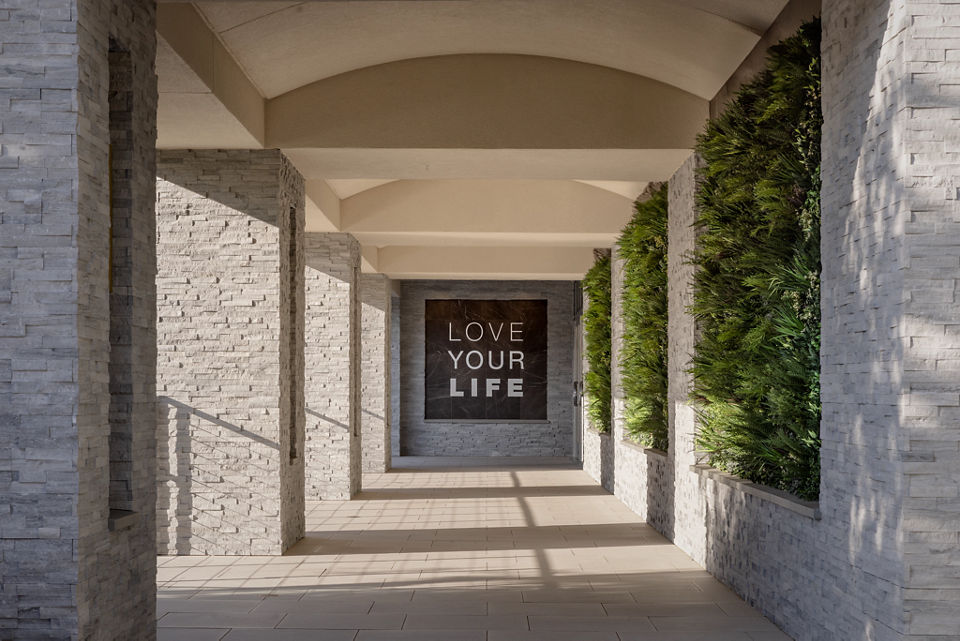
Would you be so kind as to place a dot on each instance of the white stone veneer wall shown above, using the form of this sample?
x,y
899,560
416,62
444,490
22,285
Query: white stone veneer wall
x,y
890,358
375,373
332,366
229,377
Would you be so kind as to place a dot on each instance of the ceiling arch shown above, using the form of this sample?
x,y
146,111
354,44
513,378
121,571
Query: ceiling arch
x,y
482,101
690,44
457,138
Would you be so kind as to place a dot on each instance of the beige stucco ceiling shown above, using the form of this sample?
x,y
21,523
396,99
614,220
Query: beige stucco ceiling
x,y
690,44
457,138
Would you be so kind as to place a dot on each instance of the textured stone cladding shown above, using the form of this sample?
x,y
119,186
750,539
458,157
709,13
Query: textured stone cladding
x,y
394,375
229,380
890,359
332,370
375,374
688,530
553,438
64,574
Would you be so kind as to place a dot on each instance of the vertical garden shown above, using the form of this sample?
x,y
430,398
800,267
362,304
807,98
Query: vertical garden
x,y
643,357
596,328
757,285
756,365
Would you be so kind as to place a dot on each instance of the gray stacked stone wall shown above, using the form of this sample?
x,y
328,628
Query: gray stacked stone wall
x,y
375,374
332,370
229,376
553,438
394,375
68,569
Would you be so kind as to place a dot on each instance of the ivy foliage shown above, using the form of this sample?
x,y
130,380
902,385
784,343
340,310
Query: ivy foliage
x,y
643,248
596,323
757,289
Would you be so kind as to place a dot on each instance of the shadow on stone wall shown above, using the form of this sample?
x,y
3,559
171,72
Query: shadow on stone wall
x,y
660,491
182,481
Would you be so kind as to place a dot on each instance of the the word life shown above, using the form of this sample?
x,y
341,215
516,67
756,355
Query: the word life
x,y
493,359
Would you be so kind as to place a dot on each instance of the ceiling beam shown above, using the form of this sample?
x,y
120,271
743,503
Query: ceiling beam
x,y
485,212
493,263
199,79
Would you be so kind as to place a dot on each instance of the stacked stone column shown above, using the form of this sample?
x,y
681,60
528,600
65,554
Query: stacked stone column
x,y
375,374
890,357
332,366
230,335
77,536
688,501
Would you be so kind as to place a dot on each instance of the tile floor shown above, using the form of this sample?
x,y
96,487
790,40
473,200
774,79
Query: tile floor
x,y
459,550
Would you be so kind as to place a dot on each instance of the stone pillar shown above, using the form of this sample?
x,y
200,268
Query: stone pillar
x,y
375,373
890,354
689,498
617,398
230,334
395,376
332,366
77,329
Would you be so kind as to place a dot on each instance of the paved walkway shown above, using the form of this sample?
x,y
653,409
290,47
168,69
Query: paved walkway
x,y
433,553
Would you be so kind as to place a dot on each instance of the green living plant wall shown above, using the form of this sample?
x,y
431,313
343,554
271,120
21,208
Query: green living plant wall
x,y
757,290
596,324
643,248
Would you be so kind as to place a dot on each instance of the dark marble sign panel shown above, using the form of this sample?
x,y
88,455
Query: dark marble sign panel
x,y
486,360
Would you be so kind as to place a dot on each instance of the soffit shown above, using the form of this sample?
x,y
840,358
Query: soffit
x,y
691,44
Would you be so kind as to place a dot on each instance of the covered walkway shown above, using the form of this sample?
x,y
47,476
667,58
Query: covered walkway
x,y
450,549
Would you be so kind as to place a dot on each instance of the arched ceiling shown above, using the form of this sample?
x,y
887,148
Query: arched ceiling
x,y
457,138
690,44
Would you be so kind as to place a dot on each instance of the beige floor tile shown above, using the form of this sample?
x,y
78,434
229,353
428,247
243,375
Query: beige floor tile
x,y
432,606
190,634
360,604
165,605
446,553
550,635
322,621
421,635
465,622
577,596
291,635
718,635
555,609
219,620
708,624
701,610
605,623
